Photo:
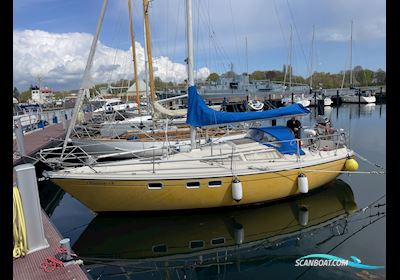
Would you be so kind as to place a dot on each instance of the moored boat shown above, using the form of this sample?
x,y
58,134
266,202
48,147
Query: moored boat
x,y
266,162
358,97
327,100
296,99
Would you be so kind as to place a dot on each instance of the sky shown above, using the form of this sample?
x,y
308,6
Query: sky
x,y
52,38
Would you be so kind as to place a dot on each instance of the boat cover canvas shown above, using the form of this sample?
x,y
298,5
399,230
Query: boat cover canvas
x,y
282,133
199,114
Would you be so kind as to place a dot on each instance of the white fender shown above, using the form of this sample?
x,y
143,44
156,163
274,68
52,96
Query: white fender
x,y
238,235
237,190
303,216
302,183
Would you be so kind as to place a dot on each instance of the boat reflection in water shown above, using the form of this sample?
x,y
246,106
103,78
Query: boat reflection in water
x,y
168,237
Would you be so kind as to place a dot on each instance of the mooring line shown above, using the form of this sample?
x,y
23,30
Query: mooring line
x,y
366,160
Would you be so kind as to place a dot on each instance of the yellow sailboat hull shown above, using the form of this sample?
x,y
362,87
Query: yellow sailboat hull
x,y
135,195
138,237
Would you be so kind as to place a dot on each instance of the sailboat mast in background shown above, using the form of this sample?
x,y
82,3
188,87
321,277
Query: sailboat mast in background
x,y
290,57
86,77
312,57
351,55
189,61
149,54
134,54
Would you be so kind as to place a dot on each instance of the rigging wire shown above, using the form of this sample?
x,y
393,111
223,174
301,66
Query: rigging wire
x,y
280,24
205,22
167,43
347,64
234,32
176,29
208,29
216,57
298,36
198,49
116,33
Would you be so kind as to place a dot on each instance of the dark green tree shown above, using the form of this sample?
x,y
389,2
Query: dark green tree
x,y
229,74
25,95
258,75
379,77
213,77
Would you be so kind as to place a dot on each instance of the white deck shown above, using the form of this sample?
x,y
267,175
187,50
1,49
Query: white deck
x,y
249,158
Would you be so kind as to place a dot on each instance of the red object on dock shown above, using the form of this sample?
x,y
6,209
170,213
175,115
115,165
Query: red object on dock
x,y
29,267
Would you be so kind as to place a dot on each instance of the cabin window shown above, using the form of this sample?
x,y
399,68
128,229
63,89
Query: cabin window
x,y
160,248
218,241
155,186
196,244
192,185
214,184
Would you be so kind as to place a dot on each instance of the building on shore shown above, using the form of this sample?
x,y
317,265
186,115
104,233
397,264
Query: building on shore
x,y
41,95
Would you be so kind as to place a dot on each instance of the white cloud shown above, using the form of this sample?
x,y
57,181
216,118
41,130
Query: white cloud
x,y
373,29
60,59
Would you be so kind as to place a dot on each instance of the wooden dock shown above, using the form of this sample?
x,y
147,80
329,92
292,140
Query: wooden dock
x,y
38,139
28,267
41,138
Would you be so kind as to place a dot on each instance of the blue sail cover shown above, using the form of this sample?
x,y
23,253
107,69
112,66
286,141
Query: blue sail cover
x,y
282,133
199,114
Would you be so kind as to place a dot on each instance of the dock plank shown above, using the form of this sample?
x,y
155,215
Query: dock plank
x,y
28,267
38,139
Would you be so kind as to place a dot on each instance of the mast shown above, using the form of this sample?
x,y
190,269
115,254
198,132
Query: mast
x,y
189,42
148,47
312,57
247,59
86,77
134,54
189,61
290,58
146,74
351,54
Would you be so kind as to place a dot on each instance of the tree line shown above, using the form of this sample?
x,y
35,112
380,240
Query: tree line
x,y
361,77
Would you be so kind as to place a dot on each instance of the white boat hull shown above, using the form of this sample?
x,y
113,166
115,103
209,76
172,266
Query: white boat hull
x,y
354,99
327,101
304,102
